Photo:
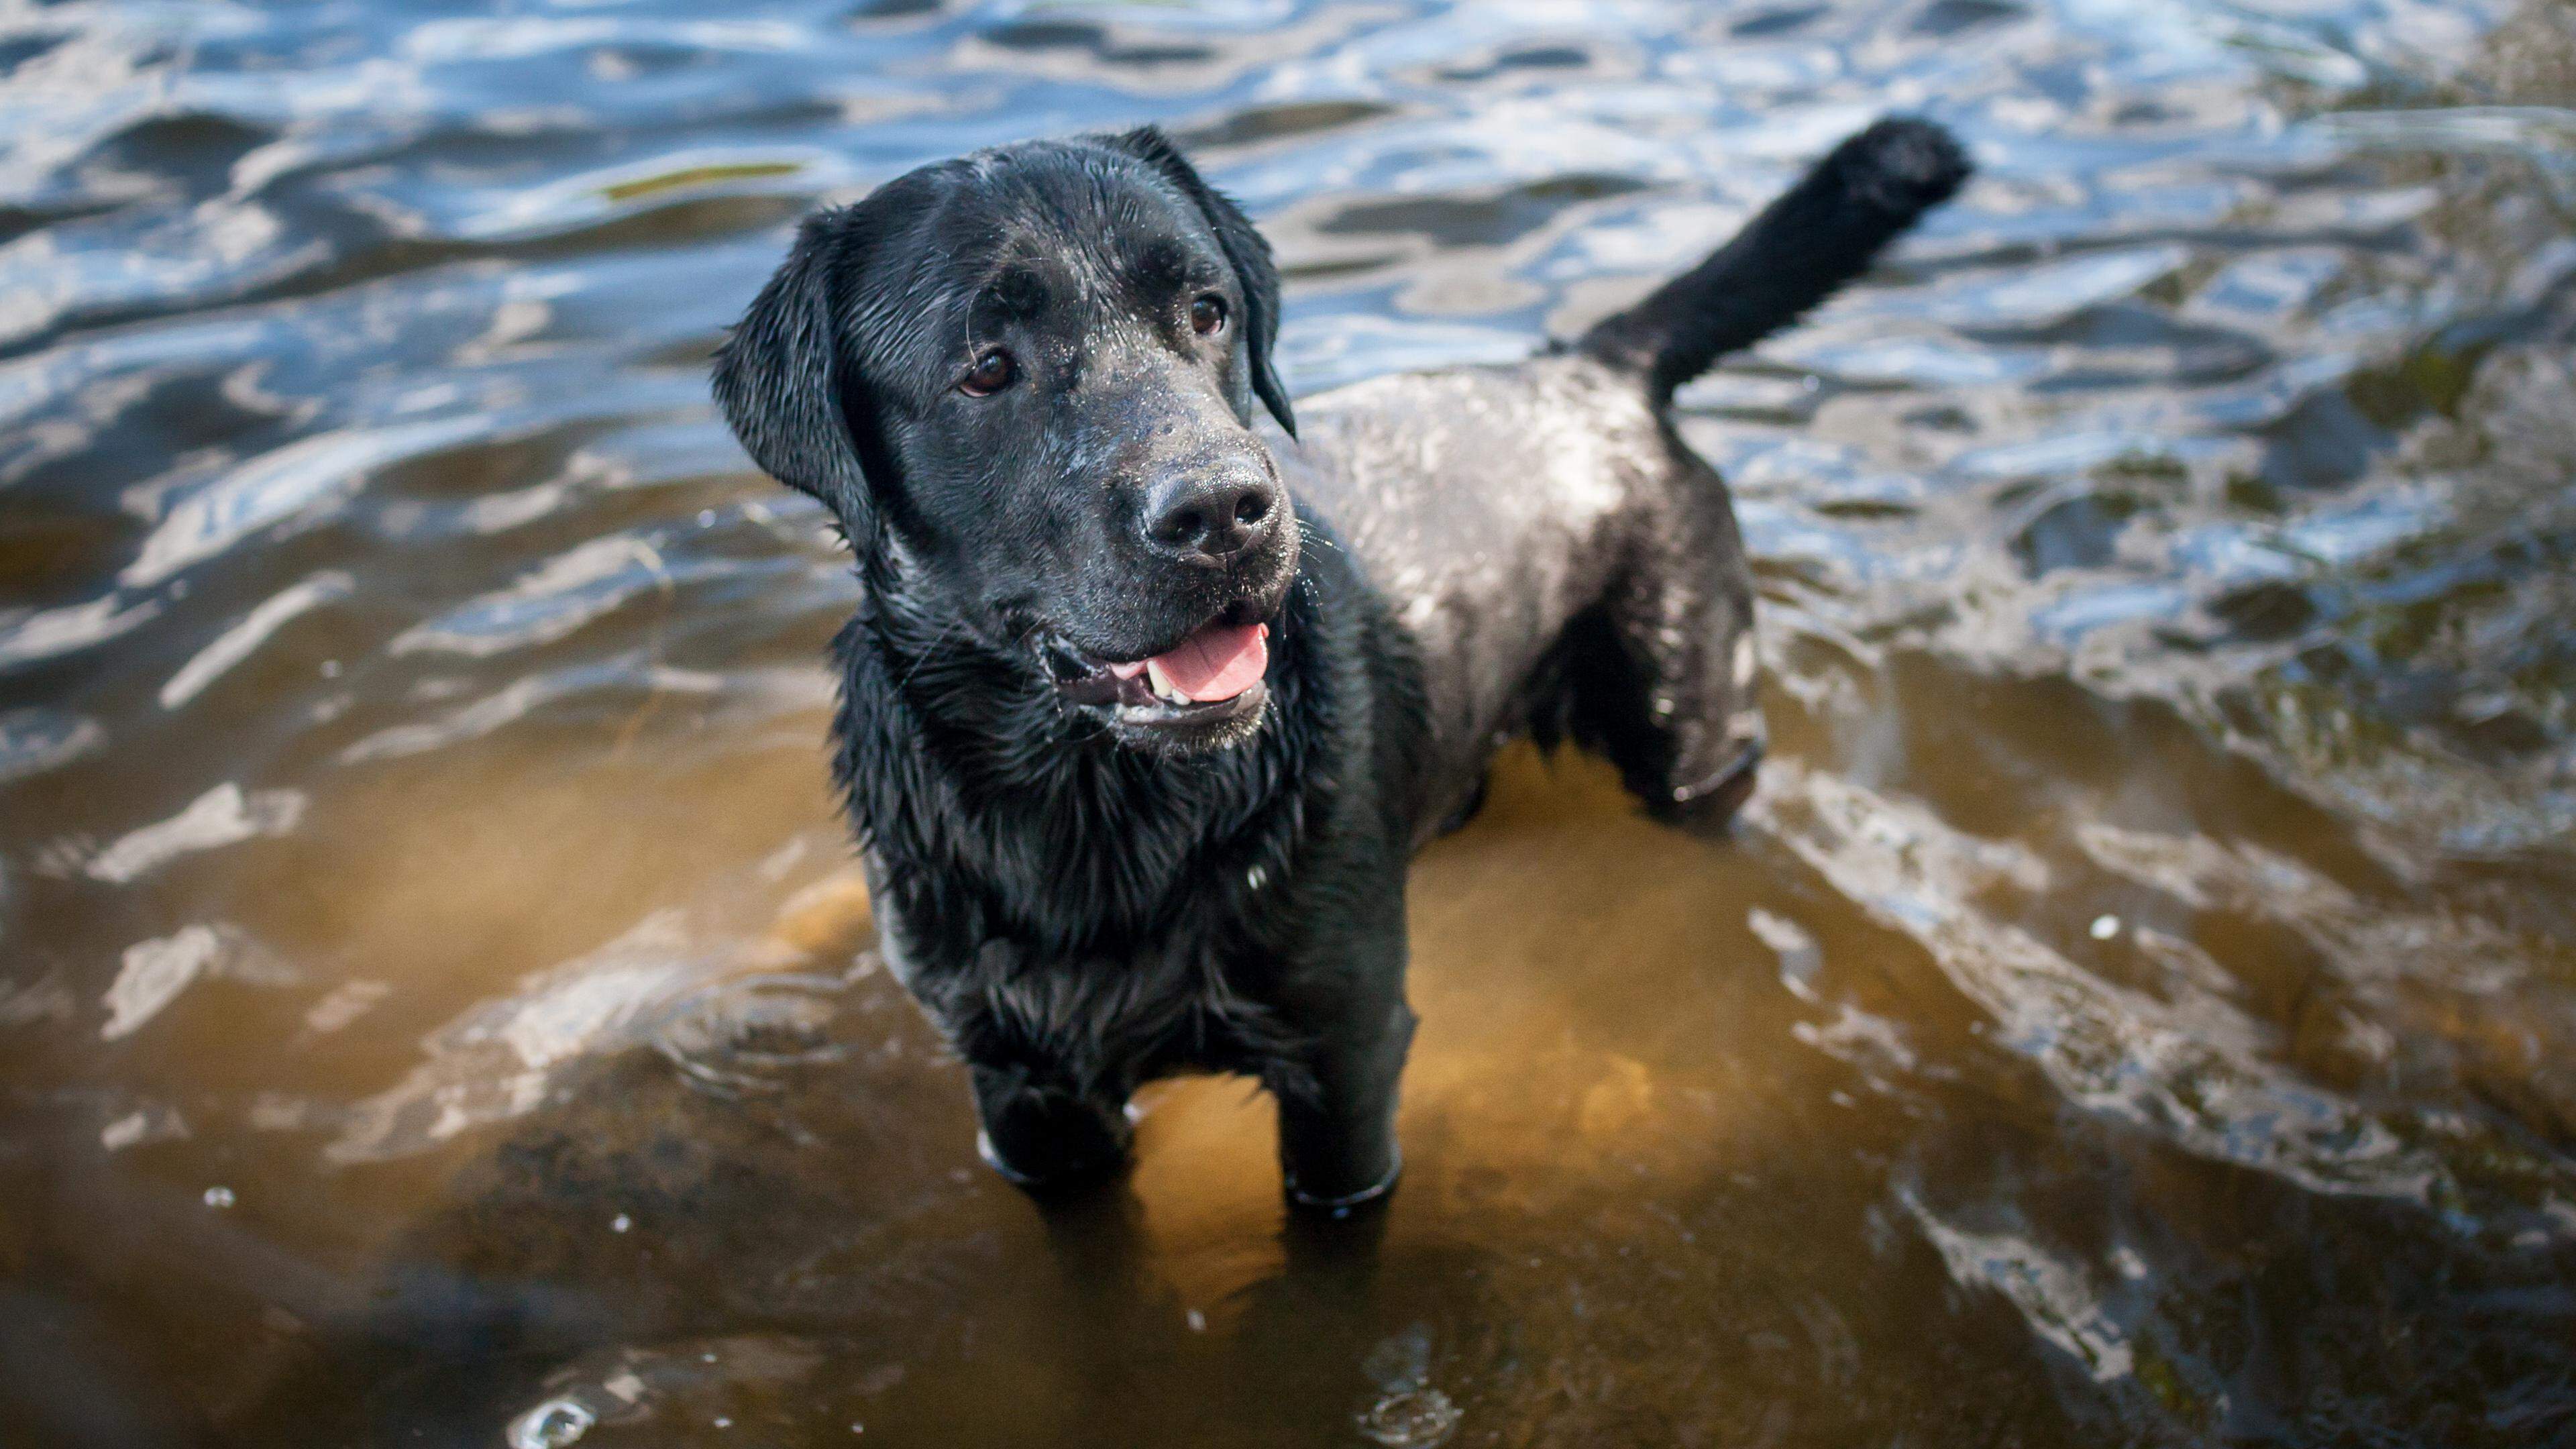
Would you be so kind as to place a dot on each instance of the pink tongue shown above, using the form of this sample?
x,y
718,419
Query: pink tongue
x,y
1218,662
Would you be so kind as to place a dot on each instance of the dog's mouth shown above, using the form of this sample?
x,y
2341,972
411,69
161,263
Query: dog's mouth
x,y
1215,673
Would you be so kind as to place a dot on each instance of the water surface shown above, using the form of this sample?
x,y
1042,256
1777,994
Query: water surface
x,y
2138,1009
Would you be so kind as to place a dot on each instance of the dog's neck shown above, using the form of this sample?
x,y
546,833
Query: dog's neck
x,y
961,764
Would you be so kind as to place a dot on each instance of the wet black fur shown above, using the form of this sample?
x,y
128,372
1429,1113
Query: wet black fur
x,y
1080,910
1818,235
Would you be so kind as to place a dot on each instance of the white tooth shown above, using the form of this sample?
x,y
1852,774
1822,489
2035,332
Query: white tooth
x,y
1162,685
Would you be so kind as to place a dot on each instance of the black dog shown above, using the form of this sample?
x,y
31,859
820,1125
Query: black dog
x,y
1137,747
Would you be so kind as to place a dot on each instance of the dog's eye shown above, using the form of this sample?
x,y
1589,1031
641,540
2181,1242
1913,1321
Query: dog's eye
x,y
1207,315
991,373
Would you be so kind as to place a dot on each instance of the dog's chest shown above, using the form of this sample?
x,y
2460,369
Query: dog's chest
x,y
1108,1017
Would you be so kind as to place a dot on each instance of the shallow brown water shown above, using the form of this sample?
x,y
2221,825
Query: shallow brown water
x,y
2138,1008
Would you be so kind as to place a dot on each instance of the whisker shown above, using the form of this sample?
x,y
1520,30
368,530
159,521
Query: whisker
x,y
924,657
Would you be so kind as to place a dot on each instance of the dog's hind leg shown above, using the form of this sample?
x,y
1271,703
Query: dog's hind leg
x,y
1661,673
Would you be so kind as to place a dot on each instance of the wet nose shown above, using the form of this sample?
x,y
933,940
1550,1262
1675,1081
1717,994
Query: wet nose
x,y
1206,518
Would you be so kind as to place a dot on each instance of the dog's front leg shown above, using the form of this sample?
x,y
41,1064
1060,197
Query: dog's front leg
x,y
1044,1136
1337,1101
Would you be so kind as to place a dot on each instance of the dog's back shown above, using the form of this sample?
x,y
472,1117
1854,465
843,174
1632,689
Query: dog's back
x,y
1499,508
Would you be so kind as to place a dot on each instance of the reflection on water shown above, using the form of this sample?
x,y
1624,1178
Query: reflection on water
x,y
435,1004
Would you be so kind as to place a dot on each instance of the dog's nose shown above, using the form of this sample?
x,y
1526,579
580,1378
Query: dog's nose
x,y
1203,518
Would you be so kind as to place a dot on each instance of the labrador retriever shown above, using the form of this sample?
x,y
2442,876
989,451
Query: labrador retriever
x,y
1146,706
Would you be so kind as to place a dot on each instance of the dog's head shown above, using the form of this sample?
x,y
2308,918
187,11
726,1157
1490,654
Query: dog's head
x,y
1023,381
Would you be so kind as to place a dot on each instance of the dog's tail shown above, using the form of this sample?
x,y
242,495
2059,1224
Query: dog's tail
x,y
1818,235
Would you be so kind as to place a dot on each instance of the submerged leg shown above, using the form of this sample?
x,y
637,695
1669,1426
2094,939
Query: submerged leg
x,y
1337,1099
1044,1136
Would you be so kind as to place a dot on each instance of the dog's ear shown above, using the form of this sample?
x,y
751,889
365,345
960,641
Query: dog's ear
x,y
1244,248
780,377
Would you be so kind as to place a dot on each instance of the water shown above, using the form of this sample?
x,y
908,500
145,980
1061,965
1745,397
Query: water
x,y
434,1000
